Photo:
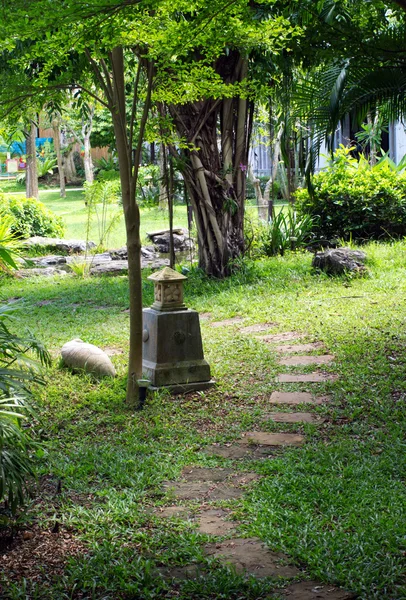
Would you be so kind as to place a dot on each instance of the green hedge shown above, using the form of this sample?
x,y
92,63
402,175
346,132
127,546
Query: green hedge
x,y
353,200
30,217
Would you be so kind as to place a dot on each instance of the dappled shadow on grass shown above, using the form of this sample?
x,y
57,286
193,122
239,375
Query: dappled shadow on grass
x,y
335,505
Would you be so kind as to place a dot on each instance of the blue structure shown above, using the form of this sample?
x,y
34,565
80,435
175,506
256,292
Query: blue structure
x,y
19,147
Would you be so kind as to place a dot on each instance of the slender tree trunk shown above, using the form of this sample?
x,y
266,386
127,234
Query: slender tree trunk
x,y
87,158
31,177
132,224
56,126
163,185
269,188
261,205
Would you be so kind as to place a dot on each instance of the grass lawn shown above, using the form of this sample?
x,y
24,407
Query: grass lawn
x,y
335,506
74,213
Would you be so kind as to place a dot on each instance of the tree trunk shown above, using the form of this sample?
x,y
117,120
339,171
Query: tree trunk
x,y
31,177
269,188
70,169
261,204
56,126
132,224
215,173
87,158
163,189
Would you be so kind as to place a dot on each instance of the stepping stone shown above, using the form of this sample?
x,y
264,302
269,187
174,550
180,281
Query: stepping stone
x,y
215,475
306,378
203,490
313,590
252,557
203,474
185,573
212,522
280,337
306,360
294,398
167,512
252,452
290,348
257,328
272,439
226,322
298,417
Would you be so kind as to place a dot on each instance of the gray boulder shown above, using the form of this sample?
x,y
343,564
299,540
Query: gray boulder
x,y
181,241
92,259
78,355
48,261
339,260
57,244
41,272
147,252
120,267
112,267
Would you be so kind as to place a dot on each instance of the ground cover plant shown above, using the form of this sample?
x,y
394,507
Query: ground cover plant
x,y
336,506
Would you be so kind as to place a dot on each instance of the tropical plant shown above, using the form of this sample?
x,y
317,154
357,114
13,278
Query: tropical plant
x,y
286,231
81,268
16,464
45,166
366,81
9,244
18,371
103,200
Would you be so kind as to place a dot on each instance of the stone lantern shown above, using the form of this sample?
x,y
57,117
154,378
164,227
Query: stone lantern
x,y
172,343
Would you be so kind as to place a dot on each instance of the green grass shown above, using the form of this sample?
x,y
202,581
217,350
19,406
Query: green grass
x,y
336,506
74,213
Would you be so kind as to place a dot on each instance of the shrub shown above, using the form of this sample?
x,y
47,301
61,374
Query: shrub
x,y
30,217
353,200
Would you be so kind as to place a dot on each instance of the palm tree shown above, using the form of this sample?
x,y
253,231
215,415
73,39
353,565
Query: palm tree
x,y
365,79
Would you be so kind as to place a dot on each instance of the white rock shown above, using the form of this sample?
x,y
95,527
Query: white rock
x,y
77,354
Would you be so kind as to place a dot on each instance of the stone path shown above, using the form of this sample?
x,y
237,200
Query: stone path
x,y
292,361
306,378
297,417
272,439
295,398
208,485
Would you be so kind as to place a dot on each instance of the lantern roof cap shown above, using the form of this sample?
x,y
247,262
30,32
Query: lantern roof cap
x,y
167,274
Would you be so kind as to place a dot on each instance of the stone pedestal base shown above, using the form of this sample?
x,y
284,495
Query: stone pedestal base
x,y
173,350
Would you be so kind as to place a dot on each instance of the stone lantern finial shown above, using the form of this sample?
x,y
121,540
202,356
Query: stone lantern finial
x,y
168,290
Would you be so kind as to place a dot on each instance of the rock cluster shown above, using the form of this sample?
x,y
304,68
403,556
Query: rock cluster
x,y
59,245
181,240
113,262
